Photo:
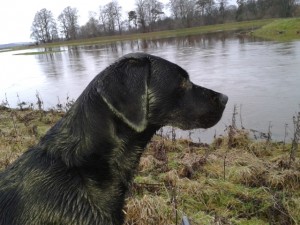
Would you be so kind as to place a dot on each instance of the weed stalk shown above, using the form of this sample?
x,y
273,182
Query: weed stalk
x,y
295,141
39,101
231,132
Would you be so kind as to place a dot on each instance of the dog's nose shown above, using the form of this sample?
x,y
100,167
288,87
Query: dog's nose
x,y
223,99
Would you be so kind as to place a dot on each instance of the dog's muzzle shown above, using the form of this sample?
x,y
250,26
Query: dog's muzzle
x,y
223,99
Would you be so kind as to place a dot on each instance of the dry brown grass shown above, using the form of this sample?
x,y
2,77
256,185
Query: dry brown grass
x,y
252,182
21,129
148,210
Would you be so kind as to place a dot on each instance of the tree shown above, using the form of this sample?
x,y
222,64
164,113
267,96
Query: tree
x,y
43,28
110,17
286,7
68,21
257,9
241,10
202,4
222,9
132,17
93,25
102,19
183,10
141,13
148,12
91,28
117,13
155,10
208,11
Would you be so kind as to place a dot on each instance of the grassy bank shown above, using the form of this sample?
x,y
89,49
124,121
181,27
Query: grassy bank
x,y
232,181
280,30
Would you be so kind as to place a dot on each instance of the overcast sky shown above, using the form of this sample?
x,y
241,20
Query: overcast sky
x,y
16,16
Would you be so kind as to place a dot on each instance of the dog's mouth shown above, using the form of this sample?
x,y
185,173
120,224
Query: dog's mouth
x,y
211,121
205,121
211,118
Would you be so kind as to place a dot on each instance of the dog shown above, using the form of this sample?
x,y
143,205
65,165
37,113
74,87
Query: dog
x,y
80,171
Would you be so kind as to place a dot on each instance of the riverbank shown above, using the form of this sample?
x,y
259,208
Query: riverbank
x,y
233,26
280,30
234,180
271,29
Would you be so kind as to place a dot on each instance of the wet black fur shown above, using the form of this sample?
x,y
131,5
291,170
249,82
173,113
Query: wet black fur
x,y
79,172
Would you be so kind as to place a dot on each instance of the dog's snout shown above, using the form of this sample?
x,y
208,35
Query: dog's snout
x,y
223,99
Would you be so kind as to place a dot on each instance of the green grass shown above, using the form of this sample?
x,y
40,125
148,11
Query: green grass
x,y
38,53
280,30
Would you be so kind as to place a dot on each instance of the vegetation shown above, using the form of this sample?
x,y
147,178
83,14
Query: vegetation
x,y
150,16
234,180
43,26
235,26
281,30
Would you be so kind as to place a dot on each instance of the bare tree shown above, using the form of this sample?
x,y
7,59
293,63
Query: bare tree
x,y
91,28
117,13
202,4
184,10
68,21
222,9
241,12
103,19
286,7
110,17
148,13
141,10
155,11
205,6
43,28
93,25
256,9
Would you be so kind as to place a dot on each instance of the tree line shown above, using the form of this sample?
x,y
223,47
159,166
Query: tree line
x,y
150,15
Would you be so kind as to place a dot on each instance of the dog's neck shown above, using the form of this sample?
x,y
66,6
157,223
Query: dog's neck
x,y
98,143
99,154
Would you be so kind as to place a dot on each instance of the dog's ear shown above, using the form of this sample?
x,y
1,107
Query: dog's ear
x,y
123,86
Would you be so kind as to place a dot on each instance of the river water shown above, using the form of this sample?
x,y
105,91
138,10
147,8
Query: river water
x,y
261,78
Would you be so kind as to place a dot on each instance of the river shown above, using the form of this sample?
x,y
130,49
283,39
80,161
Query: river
x,y
262,78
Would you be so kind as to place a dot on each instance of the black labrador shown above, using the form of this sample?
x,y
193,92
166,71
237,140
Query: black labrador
x,y
79,172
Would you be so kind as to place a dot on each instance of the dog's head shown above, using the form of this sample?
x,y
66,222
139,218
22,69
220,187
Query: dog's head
x,y
143,90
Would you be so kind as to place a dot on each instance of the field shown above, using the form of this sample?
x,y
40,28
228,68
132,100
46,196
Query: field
x,y
234,180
